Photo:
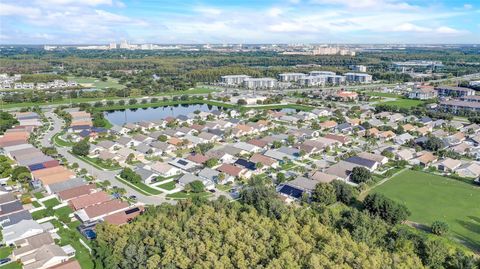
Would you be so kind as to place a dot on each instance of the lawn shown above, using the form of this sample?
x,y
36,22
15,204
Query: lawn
x,y
97,163
60,142
184,195
383,94
403,103
51,203
140,187
167,186
97,83
63,212
430,197
71,237
36,204
38,195
5,252
40,214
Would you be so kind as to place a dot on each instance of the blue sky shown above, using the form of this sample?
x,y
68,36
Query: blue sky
x,y
247,21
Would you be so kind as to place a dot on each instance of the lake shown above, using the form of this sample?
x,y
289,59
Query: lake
x,y
120,117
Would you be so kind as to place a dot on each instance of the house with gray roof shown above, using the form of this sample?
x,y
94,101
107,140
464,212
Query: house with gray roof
x,y
209,174
21,230
189,178
15,218
67,184
148,176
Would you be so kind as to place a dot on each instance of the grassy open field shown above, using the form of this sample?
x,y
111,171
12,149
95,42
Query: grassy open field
x,y
97,83
403,103
430,197
383,94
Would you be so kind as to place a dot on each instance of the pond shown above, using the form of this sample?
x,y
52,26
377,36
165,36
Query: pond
x,y
120,117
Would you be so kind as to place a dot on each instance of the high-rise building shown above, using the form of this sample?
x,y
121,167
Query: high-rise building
x,y
113,46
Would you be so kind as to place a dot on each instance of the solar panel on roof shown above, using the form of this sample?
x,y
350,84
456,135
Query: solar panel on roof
x,y
182,162
133,210
291,191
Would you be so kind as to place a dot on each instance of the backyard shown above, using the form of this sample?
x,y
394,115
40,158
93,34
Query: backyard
x,y
430,197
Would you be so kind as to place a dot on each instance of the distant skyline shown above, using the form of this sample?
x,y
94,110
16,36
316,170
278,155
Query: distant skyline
x,y
248,21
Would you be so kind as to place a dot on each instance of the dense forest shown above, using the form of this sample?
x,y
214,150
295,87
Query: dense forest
x,y
262,232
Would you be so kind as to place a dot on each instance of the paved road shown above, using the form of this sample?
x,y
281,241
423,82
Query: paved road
x,y
97,173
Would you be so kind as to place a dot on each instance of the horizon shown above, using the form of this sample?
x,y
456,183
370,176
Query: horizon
x,y
68,22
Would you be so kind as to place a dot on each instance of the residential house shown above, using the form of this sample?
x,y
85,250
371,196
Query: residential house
x,y
189,178
164,169
449,165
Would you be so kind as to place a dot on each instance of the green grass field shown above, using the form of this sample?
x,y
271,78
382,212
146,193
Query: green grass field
x,y
383,94
403,103
5,252
51,203
97,83
12,265
140,187
430,197
168,186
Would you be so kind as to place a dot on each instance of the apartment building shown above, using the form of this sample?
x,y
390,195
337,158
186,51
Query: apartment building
x,y
260,83
358,77
234,79
447,91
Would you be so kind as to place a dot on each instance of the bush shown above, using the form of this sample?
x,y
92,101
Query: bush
x,y
385,208
439,227
324,194
345,193
360,175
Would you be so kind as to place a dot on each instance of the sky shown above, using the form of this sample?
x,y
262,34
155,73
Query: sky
x,y
239,21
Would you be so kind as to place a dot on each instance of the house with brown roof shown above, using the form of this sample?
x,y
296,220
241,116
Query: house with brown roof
x,y
264,160
232,170
124,217
89,200
100,211
449,165
72,193
329,124
342,139
426,159
198,158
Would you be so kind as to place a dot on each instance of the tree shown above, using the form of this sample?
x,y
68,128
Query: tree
x,y
81,148
130,175
162,138
344,192
281,177
434,144
241,102
211,162
324,194
388,154
277,144
439,227
385,208
21,174
360,175
196,186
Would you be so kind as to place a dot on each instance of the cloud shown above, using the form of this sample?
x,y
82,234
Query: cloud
x,y
75,2
13,10
409,27
447,30
274,12
100,21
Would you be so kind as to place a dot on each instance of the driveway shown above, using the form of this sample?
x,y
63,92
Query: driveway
x,y
95,172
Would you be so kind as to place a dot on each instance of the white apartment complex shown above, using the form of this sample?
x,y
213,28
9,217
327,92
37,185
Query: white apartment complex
x,y
260,83
234,79
291,77
358,77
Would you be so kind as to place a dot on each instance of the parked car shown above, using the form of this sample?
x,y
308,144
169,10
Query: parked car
x,y
4,261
